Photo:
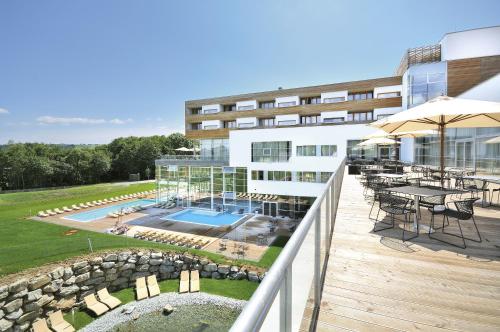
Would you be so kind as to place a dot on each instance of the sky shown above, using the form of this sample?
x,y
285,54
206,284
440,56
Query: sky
x,y
90,71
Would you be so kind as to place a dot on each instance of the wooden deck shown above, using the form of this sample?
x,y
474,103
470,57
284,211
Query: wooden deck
x,y
375,282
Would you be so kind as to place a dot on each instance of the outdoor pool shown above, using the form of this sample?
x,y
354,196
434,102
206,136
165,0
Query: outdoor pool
x,y
204,217
100,213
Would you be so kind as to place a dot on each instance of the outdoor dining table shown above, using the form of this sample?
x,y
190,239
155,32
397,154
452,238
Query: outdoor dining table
x,y
417,193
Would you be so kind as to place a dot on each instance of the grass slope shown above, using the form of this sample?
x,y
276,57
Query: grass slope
x,y
237,289
27,243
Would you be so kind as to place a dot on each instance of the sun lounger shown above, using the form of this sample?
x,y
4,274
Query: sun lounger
x,y
67,209
194,284
42,214
184,282
41,326
58,324
106,201
74,207
111,301
89,204
153,287
101,202
113,215
95,306
56,210
84,206
140,289
50,213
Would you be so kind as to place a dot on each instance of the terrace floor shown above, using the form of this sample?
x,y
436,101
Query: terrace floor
x,y
375,282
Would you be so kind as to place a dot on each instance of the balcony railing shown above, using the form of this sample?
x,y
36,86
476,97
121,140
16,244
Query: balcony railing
x,y
192,160
300,266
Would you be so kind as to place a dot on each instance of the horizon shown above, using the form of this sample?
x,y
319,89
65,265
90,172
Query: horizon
x,y
65,80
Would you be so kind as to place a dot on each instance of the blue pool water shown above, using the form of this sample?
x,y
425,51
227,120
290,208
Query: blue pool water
x,y
204,217
103,212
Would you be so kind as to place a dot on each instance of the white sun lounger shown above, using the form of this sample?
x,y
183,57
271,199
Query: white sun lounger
x,y
74,207
67,209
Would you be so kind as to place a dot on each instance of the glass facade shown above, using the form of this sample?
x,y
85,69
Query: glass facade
x,y
464,148
271,152
214,149
360,152
425,82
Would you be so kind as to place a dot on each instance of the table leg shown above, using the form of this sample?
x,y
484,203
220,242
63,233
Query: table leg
x,y
417,213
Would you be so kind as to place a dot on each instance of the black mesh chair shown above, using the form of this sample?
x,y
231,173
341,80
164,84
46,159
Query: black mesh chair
x,y
435,205
395,205
475,187
464,210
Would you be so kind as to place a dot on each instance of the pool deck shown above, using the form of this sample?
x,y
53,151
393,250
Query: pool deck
x,y
375,282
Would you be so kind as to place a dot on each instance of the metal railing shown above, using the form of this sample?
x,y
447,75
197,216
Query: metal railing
x,y
300,266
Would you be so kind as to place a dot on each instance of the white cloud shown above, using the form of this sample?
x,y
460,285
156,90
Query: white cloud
x,y
119,121
4,111
76,120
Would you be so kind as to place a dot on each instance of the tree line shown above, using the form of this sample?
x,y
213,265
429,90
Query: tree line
x,y
38,165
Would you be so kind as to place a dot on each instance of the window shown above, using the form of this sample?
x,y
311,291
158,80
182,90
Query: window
x,y
329,150
334,100
389,95
279,176
313,119
333,120
210,127
325,176
245,107
360,95
310,100
195,126
230,108
287,123
271,152
246,124
381,116
266,104
258,175
210,111
230,124
306,150
287,104
196,111
360,116
306,176
266,122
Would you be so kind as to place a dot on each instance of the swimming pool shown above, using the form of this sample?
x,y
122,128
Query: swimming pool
x,y
100,213
204,217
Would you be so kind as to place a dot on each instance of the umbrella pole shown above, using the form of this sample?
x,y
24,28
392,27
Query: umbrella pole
x,y
441,146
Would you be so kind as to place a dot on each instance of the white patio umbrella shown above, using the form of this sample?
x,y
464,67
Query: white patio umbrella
x,y
378,141
184,149
495,140
440,113
396,136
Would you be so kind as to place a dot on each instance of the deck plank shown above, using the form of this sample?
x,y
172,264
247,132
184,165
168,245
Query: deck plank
x,y
376,282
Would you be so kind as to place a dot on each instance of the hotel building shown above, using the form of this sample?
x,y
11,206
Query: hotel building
x,y
286,143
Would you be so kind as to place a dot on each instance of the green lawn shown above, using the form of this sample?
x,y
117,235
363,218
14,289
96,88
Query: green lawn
x,y
238,289
26,243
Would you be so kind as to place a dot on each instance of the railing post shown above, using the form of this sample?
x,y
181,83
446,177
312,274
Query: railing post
x,y
328,217
286,301
331,191
317,257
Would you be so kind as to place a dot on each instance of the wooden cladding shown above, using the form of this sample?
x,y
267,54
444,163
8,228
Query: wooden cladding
x,y
312,91
312,109
207,134
464,74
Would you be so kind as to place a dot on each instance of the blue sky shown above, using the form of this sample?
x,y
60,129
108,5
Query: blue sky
x,y
89,71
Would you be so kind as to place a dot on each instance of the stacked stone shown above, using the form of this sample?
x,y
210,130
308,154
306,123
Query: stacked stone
x,y
27,299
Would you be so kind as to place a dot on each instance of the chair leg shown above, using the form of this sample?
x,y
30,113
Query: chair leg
x,y
404,227
391,225
459,236
477,231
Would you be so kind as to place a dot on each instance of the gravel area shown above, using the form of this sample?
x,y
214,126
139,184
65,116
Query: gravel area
x,y
138,308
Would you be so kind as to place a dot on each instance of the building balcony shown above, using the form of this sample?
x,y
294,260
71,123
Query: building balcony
x,y
196,160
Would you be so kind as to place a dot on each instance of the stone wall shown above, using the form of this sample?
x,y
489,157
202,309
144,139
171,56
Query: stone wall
x,y
24,300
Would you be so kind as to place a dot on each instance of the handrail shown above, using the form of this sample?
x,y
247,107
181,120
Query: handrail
x,y
255,311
